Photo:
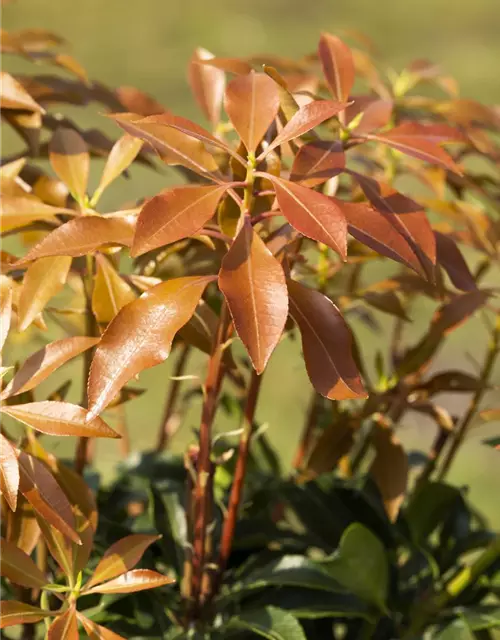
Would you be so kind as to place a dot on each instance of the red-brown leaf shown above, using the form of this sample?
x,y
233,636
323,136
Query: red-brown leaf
x,y
454,313
207,83
20,211
19,568
64,627
253,283
140,336
84,235
376,115
70,160
132,581
5,308
452,261
326,342
9,472
60,419
313,214
317,162
121,557
136,101
45,496
404,139
252,102
14,612
338,65
389,469
96,631
45,361
179,213
306,118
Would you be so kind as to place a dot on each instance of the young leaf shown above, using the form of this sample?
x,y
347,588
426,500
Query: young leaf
x,y
61,549
14,96
9,472
132,581
317,162
313,214
14,612
271,622
454,313
19,568
327,344
84,235
5,308
70,160
60,419
140,336
452,261
96,631
253,283
121,156
21,527
389,469
306,118
45,496
44,362
120,558
135,101
338,65
404,139
43,280
252,102
64,627
20,211
207,83
179,213
111,293
376,115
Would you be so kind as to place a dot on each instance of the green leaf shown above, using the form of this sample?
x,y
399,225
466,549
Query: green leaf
x,y
457,630
428,507
360,566
169,518
271,623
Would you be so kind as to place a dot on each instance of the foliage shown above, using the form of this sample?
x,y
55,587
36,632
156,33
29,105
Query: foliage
x,y
292,198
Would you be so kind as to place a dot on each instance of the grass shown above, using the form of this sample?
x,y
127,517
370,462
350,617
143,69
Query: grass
x,y
148,44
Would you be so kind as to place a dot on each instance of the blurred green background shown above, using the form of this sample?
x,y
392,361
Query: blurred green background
x,y
148,44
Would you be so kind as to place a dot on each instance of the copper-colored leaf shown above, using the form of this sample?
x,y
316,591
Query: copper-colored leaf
x,y
121,557
5,308
20,211
84,235
120,157
132,581
231,65
59,419
317,162
45,496
64,627
9,472
60,548
376,115
14,612
253,283
207,83
45,361
19,568
43,280
21,527
402,138
313,214
452,261
251,102
454,313
96,631
306,118
140,336
111,293
14,96
338,65
70,160
389,469
326,342
136,101
173,145
174,215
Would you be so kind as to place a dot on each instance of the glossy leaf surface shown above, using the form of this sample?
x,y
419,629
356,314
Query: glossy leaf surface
x,y
111,293
19,568
14,612
132,581
64,627
9,472
70,160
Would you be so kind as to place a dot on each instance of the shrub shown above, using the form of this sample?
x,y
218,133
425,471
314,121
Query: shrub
x,y
294,196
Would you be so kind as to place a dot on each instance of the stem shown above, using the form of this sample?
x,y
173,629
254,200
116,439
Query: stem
x,y
239,473
204,466
461,431
434,455
307,433
172,397
82,457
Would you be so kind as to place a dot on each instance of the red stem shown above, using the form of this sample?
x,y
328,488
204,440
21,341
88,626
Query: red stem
x,y
308,432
